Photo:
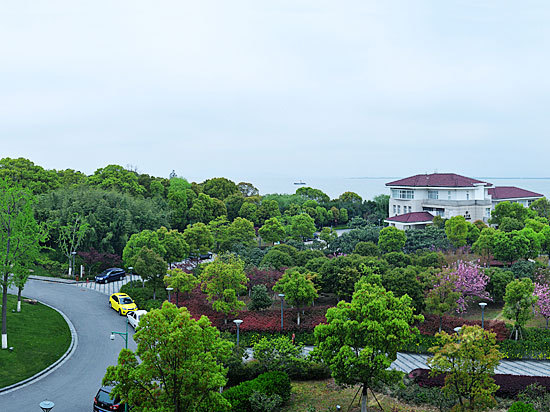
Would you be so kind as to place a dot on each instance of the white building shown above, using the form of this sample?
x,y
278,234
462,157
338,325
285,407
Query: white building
x,y
413,199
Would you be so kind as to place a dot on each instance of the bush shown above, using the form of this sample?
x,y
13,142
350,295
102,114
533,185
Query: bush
x,y
278,354
366,249
536,395
523,269
498,280
143,296
430,326
260,402
259,298
269,383
521,407
397,259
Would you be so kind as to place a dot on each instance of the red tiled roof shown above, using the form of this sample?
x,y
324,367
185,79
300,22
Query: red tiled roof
x,y
511,192
413,217
437,180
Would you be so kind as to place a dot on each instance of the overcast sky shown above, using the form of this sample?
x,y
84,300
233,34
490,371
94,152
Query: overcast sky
x,y
289,88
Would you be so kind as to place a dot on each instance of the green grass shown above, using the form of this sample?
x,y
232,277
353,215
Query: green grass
x,y
39,336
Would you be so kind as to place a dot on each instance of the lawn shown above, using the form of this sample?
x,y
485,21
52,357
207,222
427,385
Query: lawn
x,y
39,336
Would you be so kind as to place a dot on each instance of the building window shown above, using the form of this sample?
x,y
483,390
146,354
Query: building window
x,y
487,212
398,209
448,195
433,194
468,196
467,215
394,210
402,194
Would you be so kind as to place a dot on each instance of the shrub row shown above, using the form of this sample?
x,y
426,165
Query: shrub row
x,y
430,326
269,383
510,385
143,296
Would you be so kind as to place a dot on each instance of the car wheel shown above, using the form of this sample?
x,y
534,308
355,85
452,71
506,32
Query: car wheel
x,y
120,312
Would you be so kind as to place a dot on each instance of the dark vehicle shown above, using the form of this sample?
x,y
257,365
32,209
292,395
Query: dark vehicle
x,y
104,403
205,256
110,275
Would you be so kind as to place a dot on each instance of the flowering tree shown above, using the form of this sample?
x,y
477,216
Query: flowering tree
x,y
542,291
470,280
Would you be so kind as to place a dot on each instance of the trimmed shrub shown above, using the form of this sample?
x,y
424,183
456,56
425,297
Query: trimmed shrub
x,y
259,298
521,407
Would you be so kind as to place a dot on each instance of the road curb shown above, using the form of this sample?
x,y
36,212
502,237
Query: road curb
x,y
45,372
54,280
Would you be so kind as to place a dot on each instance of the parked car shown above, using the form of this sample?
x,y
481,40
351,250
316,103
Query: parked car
x,y
110,275
103,402
135,316
122,303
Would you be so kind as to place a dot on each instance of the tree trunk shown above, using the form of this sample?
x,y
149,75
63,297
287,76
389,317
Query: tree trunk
x,y
440,322
154,293
19,299
364,399
298,318
5,312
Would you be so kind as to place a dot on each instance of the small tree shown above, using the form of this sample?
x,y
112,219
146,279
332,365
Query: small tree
x,y
277,354
178,365
443,297
173,242
456,229
181,281
71,235
518,303
391,239
199,238
298,289
469,360
272,231
222,280
361,338
151,267
259,298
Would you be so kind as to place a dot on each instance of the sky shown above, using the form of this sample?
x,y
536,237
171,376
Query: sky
x,y
254,90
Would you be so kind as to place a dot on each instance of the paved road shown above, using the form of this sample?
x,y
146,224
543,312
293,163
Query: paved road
x,y
72,386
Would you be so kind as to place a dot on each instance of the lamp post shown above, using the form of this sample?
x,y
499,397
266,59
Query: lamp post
x,y
457,330
238,323
482,304
47,406
169,291
123,334
282,296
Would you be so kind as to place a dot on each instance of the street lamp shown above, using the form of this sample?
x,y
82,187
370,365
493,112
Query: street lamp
x,y
238,323
457,330
47,406
482,304
282,296
169,291
123,334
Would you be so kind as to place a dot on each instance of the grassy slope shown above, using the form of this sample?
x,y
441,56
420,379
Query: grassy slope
x,y
39,336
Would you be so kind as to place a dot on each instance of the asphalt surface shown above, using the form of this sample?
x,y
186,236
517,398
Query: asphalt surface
x,y
73,385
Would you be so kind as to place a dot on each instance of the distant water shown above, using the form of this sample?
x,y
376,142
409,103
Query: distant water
x,y
369,187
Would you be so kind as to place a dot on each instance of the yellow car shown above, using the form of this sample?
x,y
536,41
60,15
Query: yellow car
x,y
122,303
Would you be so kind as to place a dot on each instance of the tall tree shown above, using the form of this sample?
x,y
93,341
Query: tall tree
x,y
443,297
25,173
456,229
484,244
20,237
181,281
469,360
391,239
219,187
199,238
174,244
71,236
178,364
179,200
298,289
272,231
115,177
361,338
302,227
223,280
151,267
247,189
146,238
518,303
541,207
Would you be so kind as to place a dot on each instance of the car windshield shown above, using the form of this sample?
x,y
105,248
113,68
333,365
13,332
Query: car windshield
x,y
126,301
104,397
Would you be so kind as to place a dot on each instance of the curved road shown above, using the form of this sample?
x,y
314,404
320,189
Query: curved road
x,y
73,385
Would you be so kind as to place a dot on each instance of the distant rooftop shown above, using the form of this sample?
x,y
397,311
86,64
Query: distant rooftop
x,y
413,217
511,192
438,180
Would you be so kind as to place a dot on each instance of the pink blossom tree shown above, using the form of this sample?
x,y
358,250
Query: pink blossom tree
x,y
542,291
470,281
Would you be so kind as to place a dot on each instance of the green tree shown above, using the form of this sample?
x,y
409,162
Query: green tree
x,y
151,267
276,259
219,187
233,204
247,189
199,239
312,194
366,249
272,231
181,281
25,173
518,303
302,227
205,209
541,207
240,231
391,239
259,298
443,297
456,229
328,235
178,364
20,237
278,354
361,339
484,244
179,202
510,246
403,281
249,211
71,236
350,197
512,210
174,244
222,280
299,290
115,177
469,360
268,209
146,238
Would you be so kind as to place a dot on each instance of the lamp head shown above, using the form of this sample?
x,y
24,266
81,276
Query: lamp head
x,y
237,322
47,406
112,337
458,329
482,304
281,295
169,289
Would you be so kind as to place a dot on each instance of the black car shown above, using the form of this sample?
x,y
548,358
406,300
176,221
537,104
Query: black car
x,y
110,275
104,403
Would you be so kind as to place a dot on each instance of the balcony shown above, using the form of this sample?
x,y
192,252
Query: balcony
x,y
454,203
